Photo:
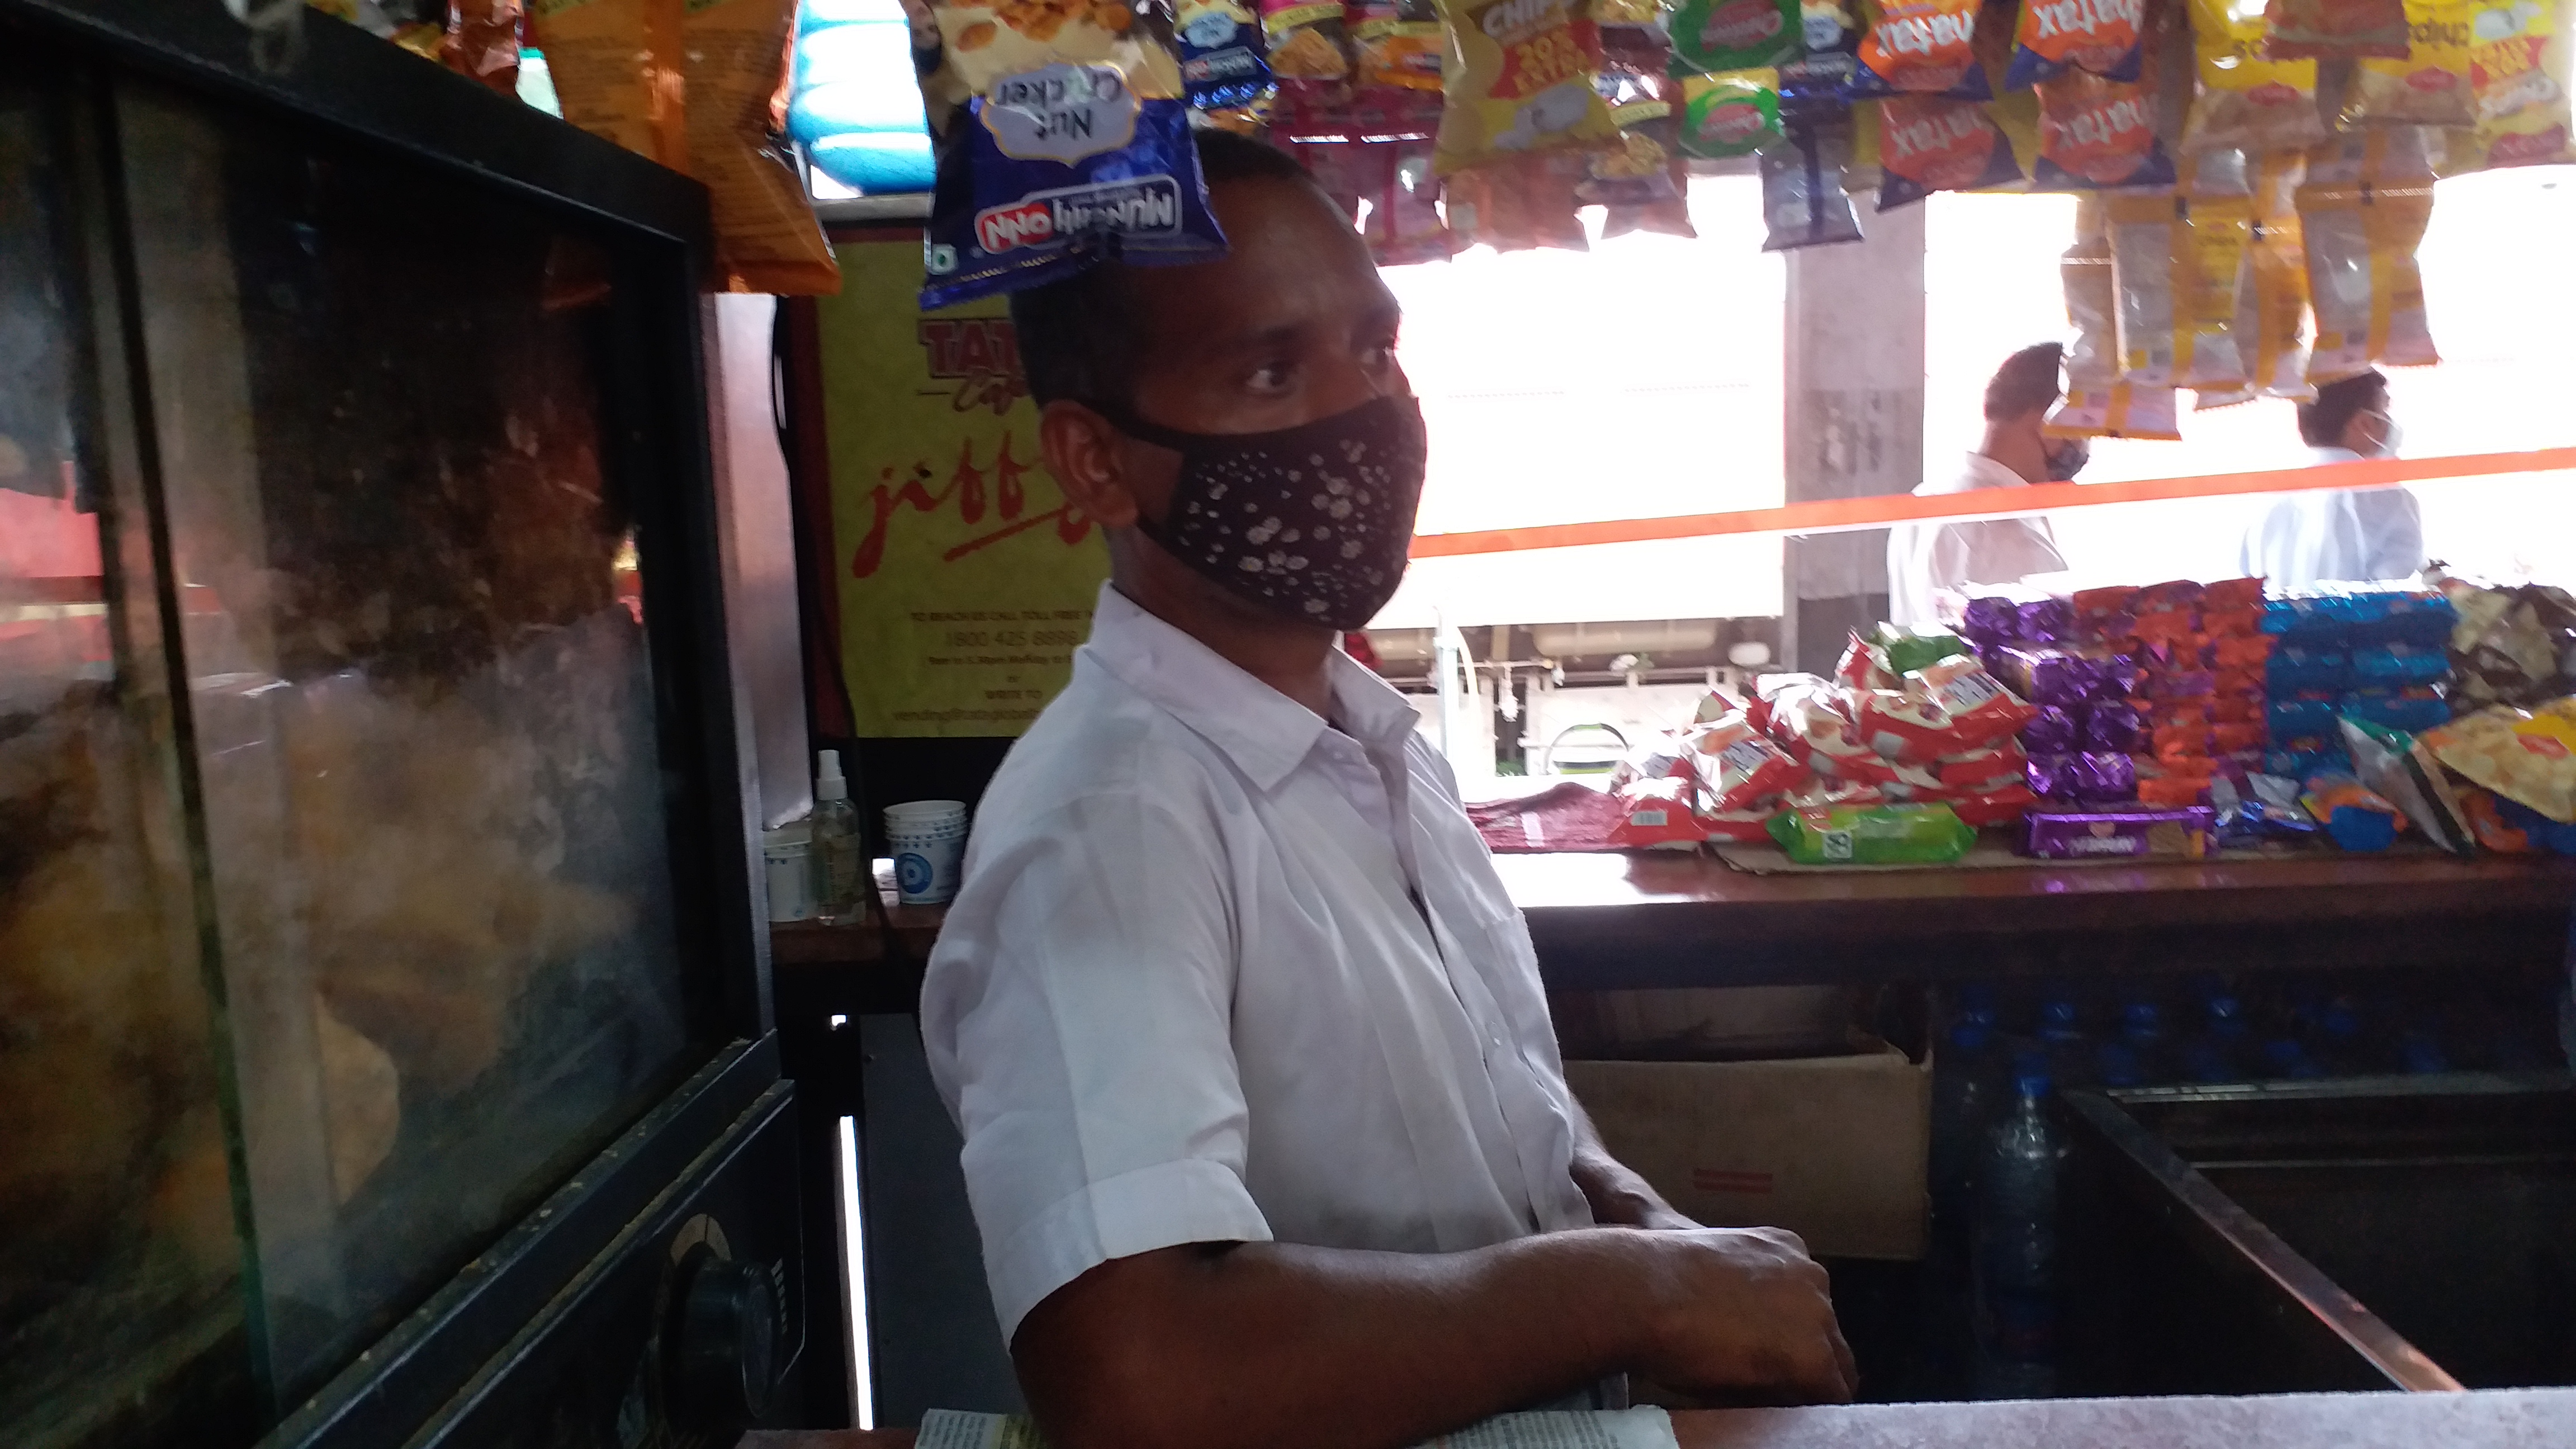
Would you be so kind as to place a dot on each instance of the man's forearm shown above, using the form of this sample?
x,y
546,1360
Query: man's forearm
x,y
1273,1346
1619,1197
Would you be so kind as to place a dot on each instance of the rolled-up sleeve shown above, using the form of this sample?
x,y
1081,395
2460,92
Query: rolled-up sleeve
x,y
1077,1014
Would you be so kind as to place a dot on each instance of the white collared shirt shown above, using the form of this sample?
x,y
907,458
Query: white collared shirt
x,y
1923,558
1185,996
2347,535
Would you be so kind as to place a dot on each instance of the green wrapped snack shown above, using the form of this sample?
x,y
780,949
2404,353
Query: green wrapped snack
x,y
1732,113
1909,648
1873,835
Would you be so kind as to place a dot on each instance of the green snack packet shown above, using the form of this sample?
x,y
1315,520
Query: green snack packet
x,y
1909,649
1732,114
1873,835
1720,35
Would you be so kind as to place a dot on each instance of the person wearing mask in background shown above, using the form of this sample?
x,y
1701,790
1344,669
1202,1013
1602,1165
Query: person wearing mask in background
x,y
1266,1131
1923,558
2346,535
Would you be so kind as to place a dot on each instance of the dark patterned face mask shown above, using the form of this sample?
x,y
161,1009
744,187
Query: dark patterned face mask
x,y
1311,522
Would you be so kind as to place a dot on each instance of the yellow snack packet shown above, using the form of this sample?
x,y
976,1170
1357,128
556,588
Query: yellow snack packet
x,y
2122,410
2528,756
767,239
2272,301
2430,86
2242,99
2144,228
2519,75
2093,362
1517,77
618,70
2211,240
2362,212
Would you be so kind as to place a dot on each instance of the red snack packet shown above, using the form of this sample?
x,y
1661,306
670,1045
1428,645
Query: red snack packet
x,y
2167,626
1979,771
1818,793
1903,727
2232,623
2001,807
1929,143
2182,740
2173,791
2245,735
2163,715
2100,603
2236,708
1740,764
2177,594
1801,714
1745,827
2241,651
1658,813
2237,681
1980,710
1864,666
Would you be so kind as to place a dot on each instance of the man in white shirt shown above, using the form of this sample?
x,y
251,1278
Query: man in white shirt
x,y
1266,1133
1924,558
2342,535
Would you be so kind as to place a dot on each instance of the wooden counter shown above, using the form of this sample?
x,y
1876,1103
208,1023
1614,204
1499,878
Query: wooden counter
x,y
1660,919
1654,919
2499,1419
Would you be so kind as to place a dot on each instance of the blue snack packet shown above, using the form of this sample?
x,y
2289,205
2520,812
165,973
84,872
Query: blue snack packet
x,y
1049,170
1223,60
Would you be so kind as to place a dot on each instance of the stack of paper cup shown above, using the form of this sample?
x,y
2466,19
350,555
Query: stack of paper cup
x,y
928,838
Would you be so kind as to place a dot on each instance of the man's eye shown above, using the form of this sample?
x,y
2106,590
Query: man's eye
x,y
1272,377
1378,355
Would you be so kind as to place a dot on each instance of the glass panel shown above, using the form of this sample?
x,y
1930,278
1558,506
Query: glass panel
x,y
424,716
120,1314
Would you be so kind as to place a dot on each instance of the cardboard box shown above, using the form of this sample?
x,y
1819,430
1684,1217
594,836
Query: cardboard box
x,y
1831,1148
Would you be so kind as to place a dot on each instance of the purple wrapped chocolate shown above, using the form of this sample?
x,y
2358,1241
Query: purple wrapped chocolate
x,y
2121,673
2047,621
2184,833
2051,732
1990,622
2051,777
2045,675
2111,726
2102,778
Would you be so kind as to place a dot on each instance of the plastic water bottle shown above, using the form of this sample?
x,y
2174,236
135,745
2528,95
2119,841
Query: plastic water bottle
x,y
2283,1056
2142,1031
2420,1052
2061,1032
2016,1252
2222,1051
1966,1080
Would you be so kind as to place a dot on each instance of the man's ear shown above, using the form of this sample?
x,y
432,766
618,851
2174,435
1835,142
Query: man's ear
x,y
1083,452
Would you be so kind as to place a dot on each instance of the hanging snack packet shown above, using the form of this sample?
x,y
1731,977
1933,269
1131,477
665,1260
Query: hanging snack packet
x,y
1518,78
2104,37
2362,277
2428,86
1803,203
1637,171
2092,297
1306,41
766,237
2245,100
2334,29
1485,206
618,70
2095,132
1222,64
1735,114
2272,292
1404,224
2209,265
2143,227
1922,47
1932,143
1073,144
1710,36
2519,77
1398,42
2121,410
481,39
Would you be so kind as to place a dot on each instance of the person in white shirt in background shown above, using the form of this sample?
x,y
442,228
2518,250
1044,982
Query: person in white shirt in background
x,y
1923,558
1266,1132
2344,535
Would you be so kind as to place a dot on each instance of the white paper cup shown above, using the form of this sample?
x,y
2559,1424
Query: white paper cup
x,y
928,840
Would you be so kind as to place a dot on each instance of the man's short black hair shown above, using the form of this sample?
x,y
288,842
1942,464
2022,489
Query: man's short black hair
x,y
2026,383
1078,337
2322,422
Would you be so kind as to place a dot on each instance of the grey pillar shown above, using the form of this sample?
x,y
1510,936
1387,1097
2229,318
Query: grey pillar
x,y
1854,403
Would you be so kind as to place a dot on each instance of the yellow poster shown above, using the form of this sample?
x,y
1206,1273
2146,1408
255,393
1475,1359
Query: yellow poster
x,y
966,581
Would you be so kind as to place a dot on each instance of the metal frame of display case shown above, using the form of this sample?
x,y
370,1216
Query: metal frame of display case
x,y
353,92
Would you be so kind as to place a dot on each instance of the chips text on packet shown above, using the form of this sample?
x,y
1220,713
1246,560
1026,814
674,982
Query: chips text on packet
x,y
2104,37
1222,61
1518,78
2096,132
2243,99
1931,143
1922,47
1710,36
1072,143
2429,85
1734,114
2520,73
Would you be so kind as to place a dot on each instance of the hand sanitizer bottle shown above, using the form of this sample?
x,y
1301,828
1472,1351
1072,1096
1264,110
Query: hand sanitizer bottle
x,y
840,862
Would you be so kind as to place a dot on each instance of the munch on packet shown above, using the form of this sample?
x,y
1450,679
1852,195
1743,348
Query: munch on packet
x,y
1223,62
1063,137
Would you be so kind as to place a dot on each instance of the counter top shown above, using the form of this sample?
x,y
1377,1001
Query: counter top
x,y
1663,919
2496,1419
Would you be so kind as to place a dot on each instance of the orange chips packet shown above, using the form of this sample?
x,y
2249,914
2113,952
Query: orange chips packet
x,y
2104,37
2095,132
767,239
1921,47
1932,143
618,69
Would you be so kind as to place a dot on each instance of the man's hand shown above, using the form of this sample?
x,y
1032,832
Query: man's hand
x,y
1619,1197
1744,1315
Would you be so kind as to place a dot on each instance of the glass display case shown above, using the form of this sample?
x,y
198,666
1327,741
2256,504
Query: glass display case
x,y
373,887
